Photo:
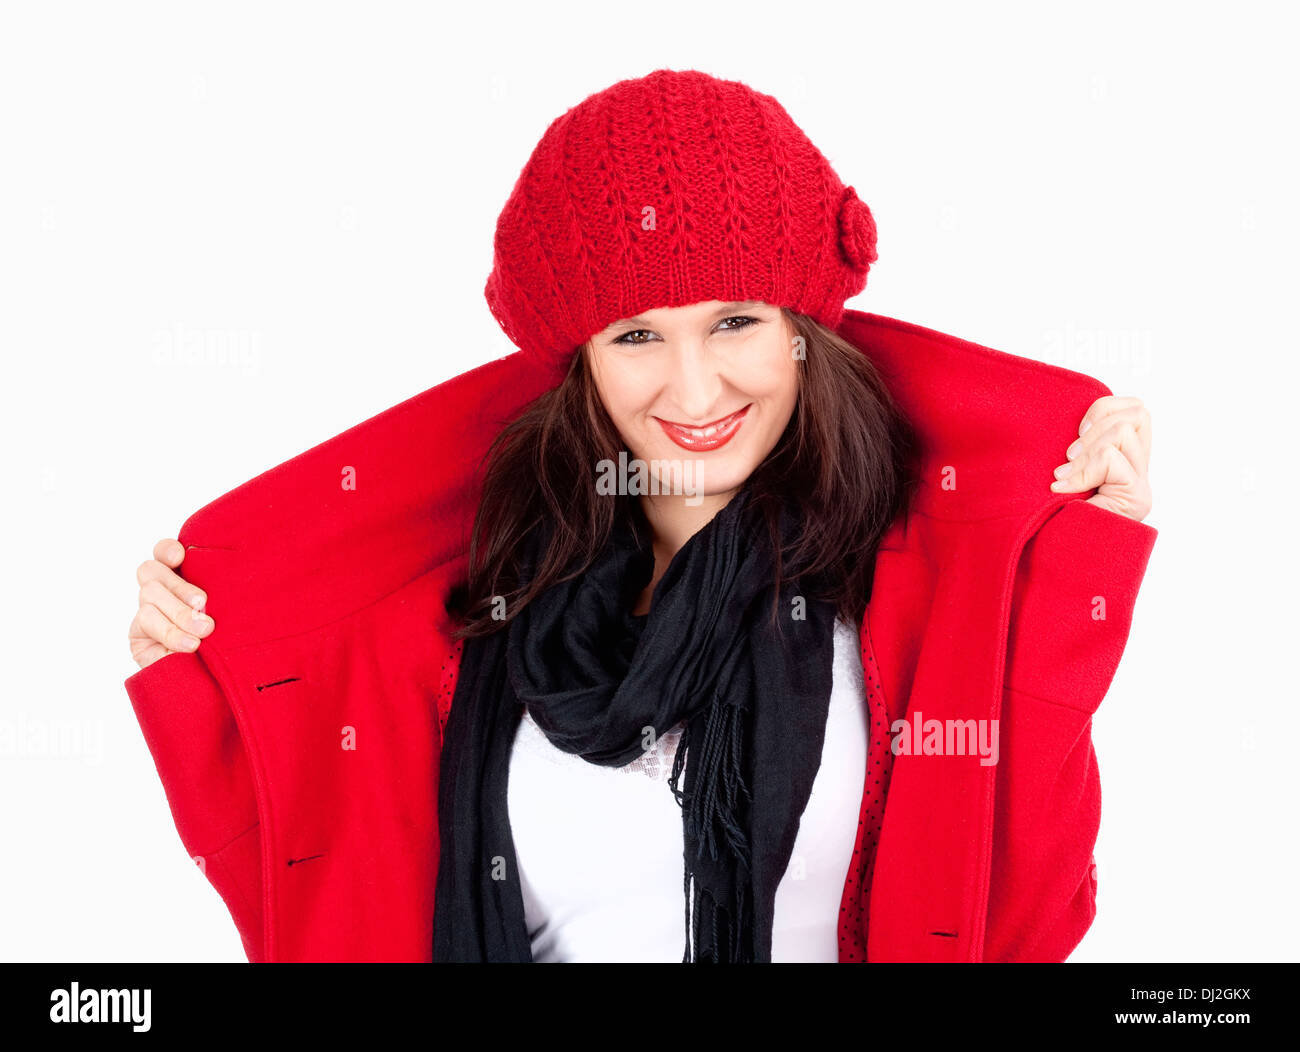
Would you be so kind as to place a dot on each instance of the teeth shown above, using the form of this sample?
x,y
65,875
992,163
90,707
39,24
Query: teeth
x,y
705,432
702,433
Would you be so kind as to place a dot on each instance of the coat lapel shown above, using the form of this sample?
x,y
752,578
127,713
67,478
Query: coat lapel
x,y
992,427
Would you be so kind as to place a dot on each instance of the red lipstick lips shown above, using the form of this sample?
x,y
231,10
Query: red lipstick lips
x,y
707,436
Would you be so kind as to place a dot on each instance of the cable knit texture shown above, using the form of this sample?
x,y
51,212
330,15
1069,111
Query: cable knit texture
x,y
665,190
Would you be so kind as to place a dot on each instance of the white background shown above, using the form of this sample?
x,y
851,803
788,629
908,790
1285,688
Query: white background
x,y
231,231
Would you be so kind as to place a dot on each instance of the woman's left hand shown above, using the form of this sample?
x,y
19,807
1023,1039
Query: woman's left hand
x,y
1111,454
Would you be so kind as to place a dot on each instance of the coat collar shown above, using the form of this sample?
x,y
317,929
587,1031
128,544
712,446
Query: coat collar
x,y
993,426
371,510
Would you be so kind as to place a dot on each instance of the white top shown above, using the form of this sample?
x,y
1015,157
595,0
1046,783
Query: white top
x,y
600,848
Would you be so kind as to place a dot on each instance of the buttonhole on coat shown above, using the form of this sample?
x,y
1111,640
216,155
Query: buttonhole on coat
x,y
945,934
292,861
278,682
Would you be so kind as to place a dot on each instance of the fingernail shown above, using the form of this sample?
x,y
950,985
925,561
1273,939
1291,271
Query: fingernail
x,y
1086,424
188,642
1063,470
200,621
196,601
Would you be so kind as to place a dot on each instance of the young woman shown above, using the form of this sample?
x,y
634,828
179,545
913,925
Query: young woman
x,y
659,734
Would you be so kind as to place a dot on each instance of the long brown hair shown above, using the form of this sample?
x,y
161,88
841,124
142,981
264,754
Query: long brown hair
x,y
846,458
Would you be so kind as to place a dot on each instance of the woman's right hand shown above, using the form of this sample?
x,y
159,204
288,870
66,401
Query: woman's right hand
x,y
169,618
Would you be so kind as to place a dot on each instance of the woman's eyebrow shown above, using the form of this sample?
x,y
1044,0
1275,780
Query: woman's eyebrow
x,y
726,308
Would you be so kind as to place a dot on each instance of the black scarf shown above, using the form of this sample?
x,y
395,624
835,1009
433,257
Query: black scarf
x,y
596,677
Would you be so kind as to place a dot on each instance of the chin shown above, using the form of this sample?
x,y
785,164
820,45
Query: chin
x,y
723,477
721,471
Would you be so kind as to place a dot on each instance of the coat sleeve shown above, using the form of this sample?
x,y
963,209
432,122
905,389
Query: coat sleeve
x,y
192,734
1076,584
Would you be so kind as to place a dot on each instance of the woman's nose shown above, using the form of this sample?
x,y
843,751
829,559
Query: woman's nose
x,y
696,383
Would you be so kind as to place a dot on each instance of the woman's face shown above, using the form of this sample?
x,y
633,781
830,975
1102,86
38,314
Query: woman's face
x,y
710,386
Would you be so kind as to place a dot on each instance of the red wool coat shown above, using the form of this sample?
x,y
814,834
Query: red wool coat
x,y
299,746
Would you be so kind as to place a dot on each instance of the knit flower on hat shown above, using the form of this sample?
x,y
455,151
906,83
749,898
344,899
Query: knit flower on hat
x,y
857,231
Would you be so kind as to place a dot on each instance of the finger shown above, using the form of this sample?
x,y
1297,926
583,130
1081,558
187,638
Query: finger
x,y
1115,470
1121,431
181,614
145,650
155,570
1103,431
1104,407
1078,474
1140,417
1123,491
1107,464
1094,435
169,551
158,627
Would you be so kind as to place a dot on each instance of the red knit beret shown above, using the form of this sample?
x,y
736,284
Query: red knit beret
x,y
666,190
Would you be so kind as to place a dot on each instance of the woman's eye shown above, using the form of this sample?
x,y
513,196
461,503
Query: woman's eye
x,y
632,332
748,321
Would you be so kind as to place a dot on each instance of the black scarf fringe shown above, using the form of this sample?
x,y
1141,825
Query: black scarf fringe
x,y
711,814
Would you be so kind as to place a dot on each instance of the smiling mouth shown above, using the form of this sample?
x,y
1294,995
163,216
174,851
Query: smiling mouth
x,y
709,436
